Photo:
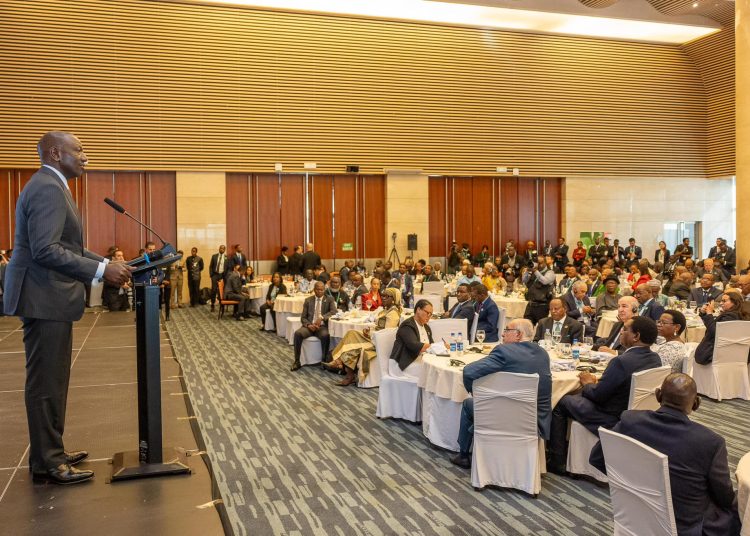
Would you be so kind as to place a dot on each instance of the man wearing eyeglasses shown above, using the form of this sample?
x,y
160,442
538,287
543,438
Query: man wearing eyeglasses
x,y
516,354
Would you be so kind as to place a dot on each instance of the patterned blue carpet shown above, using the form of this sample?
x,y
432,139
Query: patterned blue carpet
x,y
295,454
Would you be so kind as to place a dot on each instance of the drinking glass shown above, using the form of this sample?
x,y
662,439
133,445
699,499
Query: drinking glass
x,y
565,349
693,305
480,336
556,338
588,341
369,305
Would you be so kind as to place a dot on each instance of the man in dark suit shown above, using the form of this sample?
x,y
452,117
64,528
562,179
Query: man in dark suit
x,y
633,253
315,314
115,297
512,261
464,307
560,253
596,251
709,267
687,250
648,307
703,499
489,314
217,270
627,308
726,259
295,261
602,401
516,354
579,307
539,284
238,258
559,322
194,265
707,292
44,285
233,291
340,297
715,249
310,260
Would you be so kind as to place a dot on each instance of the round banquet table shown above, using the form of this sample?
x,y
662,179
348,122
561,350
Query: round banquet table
x,y
694,332
257,294
514,307
337,328
443,393
286,306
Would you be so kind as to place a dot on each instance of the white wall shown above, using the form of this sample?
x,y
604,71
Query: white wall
x,y
640,207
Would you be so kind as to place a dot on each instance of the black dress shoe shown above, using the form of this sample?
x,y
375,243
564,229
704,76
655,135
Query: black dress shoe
x,y
63,474
461,461
72,458
296,366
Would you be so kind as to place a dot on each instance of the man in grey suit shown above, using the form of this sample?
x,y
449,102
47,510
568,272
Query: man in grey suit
x,y
315,314
44,285
559,323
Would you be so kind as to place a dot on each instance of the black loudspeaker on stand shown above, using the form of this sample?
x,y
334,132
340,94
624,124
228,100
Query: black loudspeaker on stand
x,y
411,242
151,458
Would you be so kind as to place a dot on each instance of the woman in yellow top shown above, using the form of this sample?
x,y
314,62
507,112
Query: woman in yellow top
x,y
492,279
356,344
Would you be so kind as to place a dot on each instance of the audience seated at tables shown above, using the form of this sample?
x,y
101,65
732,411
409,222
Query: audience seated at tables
x,y
115,298
357,288
703,500
345,271
413,338
307,282
627,308
647,306
639,274
511,260
594,284
579,307
356,344
671,350
492,278
247,275
428,275
468,276
655,286
571,276
488,312
559,322
743,284
316,311
437,271
233,291
372,300
464,306
731,308
516,354
708,267
335,291
275,289
607,301
706,292
603,400
321,274
680,285
483,257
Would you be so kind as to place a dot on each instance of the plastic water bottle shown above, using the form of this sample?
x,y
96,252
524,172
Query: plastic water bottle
x,y
453,345
576,352
460,345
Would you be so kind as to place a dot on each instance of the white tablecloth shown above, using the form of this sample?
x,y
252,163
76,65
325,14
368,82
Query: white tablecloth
x,y
338,328
514,307
290,304
257,293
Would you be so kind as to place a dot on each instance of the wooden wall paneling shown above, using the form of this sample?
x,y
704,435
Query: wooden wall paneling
x,y
372,214
268,216
6,213
508,209
345,217
292,230
161,205
527,211
482,214
321,215
438,217
551,213
463,211
99,225
129,192
239,221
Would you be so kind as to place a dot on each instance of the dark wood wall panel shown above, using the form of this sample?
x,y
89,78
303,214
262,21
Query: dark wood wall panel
x,y
372,216
508,210
463,196
268,234
482,215
239,222
552,210
345,218
99,226
292,211
161,205
129,236
6,213
321,214
438,217
527,210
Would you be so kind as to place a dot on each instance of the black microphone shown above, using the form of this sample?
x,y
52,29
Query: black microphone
x,y
122,210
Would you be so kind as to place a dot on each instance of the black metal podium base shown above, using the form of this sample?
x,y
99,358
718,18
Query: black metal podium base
x,y
127,465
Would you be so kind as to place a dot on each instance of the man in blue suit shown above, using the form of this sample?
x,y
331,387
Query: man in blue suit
x,y
648,306
602,401
702,496
516,354
489,314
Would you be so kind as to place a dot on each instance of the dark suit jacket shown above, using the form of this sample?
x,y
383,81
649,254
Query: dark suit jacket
x,y
636,249
46,275
653,311
407,346
573,311
571,330
515,264
327,309
697,296
309,261
610,394
489,315
463,310
295,264
233,261
702,494
213,268
561,254
667,254
282,290
679,290
233,288
610,340
704,353
343,299
282,265
523,358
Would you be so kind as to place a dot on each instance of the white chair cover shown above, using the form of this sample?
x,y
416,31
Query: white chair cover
x,y
442,329
268,321
293,323
441,419
312,352
727,375
507,449
579,449
689,361
435,299
743,493
643,386
433,287
500,323
398,397
473,337
640,492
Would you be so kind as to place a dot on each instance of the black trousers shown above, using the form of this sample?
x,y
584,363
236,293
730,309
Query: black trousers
x,y
263,308
302,333
535,311
194,287
215,287
243,308
49,345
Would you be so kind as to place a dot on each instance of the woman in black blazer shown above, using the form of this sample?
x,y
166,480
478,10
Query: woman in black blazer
x,y
663,259
282,262
277,288
410,344
731,309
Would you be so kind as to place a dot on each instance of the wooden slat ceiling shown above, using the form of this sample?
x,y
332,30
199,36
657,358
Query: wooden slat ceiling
x,y
171,86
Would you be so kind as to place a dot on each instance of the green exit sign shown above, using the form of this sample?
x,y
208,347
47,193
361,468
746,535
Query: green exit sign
x,y
347,246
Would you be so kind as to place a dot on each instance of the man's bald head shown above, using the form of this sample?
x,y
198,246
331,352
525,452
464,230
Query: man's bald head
x,y
62,151
678,391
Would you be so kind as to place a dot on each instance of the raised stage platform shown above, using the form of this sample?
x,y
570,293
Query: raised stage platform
x,y
102,417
